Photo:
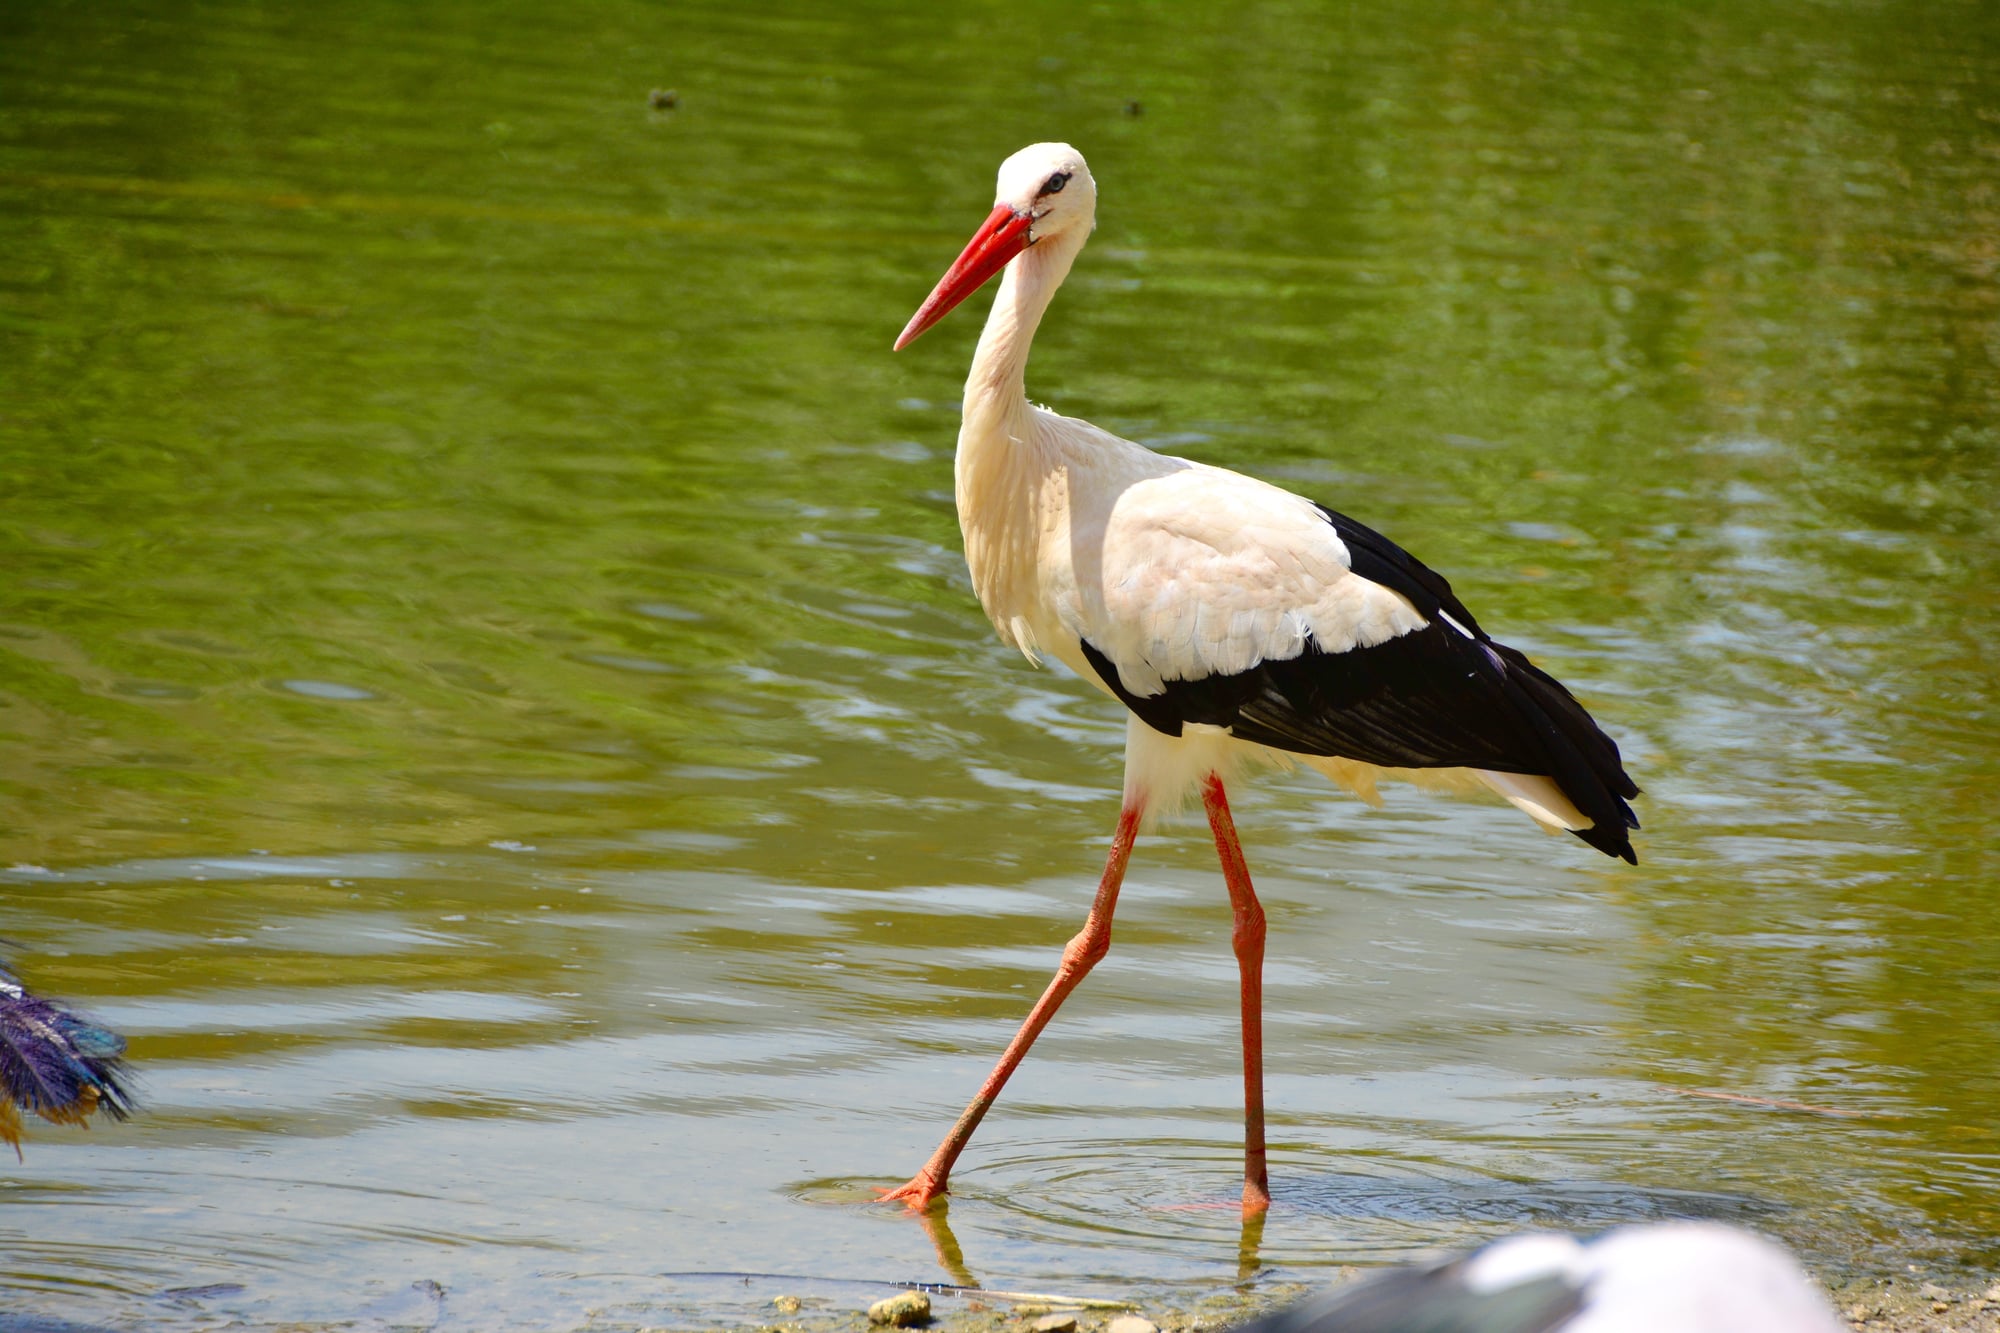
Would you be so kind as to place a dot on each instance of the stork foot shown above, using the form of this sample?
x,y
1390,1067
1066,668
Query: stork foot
x,y
917,1193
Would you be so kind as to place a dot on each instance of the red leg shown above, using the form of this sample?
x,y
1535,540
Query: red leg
x,y
1248,939
1078,957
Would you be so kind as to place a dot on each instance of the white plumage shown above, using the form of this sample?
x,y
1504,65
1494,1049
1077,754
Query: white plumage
x,y
1238,622
1668,1277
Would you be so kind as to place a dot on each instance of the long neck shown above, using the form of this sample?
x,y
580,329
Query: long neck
x,y
996,387
1002,468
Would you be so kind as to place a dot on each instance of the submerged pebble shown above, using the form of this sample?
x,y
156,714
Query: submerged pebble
x,y
1060,1322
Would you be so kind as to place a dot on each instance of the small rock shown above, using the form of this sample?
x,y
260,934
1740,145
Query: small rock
x,y
663,99
787,1304
1060,1322
1131,1323
1859,1313
906,1310
1993,1292
1934,1291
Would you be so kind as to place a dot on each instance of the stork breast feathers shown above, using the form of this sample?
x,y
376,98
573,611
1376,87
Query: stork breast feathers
x,y
1202,572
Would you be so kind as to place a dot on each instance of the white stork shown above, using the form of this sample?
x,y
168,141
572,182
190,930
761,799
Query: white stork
x,y
1236,621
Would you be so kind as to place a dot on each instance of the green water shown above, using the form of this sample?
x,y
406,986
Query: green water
x,y
491,703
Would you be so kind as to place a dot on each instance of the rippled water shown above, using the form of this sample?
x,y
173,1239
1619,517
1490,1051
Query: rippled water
x,y
491,703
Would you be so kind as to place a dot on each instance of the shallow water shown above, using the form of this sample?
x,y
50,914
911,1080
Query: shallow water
x,y
491,703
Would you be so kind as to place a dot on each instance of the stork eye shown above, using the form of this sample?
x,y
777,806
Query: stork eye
x,y
1054,184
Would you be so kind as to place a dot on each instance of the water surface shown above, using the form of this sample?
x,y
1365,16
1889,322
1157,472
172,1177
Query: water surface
x,y
490,699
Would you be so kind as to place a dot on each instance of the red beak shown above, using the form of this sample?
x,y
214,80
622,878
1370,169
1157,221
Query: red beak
x,y
1002,236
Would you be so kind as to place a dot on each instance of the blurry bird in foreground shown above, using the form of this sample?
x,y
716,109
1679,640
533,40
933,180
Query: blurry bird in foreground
x,y
55,1063
1673,1277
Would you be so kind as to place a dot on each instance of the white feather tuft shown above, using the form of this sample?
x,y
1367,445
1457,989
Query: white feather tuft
x,y
1539,798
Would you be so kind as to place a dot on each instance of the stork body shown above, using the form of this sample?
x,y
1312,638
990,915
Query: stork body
x,y
1237,622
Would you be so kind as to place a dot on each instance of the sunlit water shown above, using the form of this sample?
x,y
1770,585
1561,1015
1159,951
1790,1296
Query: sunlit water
x,y
490,700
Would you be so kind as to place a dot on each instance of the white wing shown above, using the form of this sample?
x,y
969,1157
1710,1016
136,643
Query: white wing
x,y
1198,572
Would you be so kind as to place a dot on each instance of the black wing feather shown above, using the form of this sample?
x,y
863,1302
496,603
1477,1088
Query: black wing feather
x,y
1379,560
1432,698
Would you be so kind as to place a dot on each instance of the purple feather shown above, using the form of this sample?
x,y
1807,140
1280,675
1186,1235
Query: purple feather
x,y
55,1063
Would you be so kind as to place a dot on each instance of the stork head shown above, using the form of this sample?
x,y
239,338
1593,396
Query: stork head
x,y
1044,191
1050,184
